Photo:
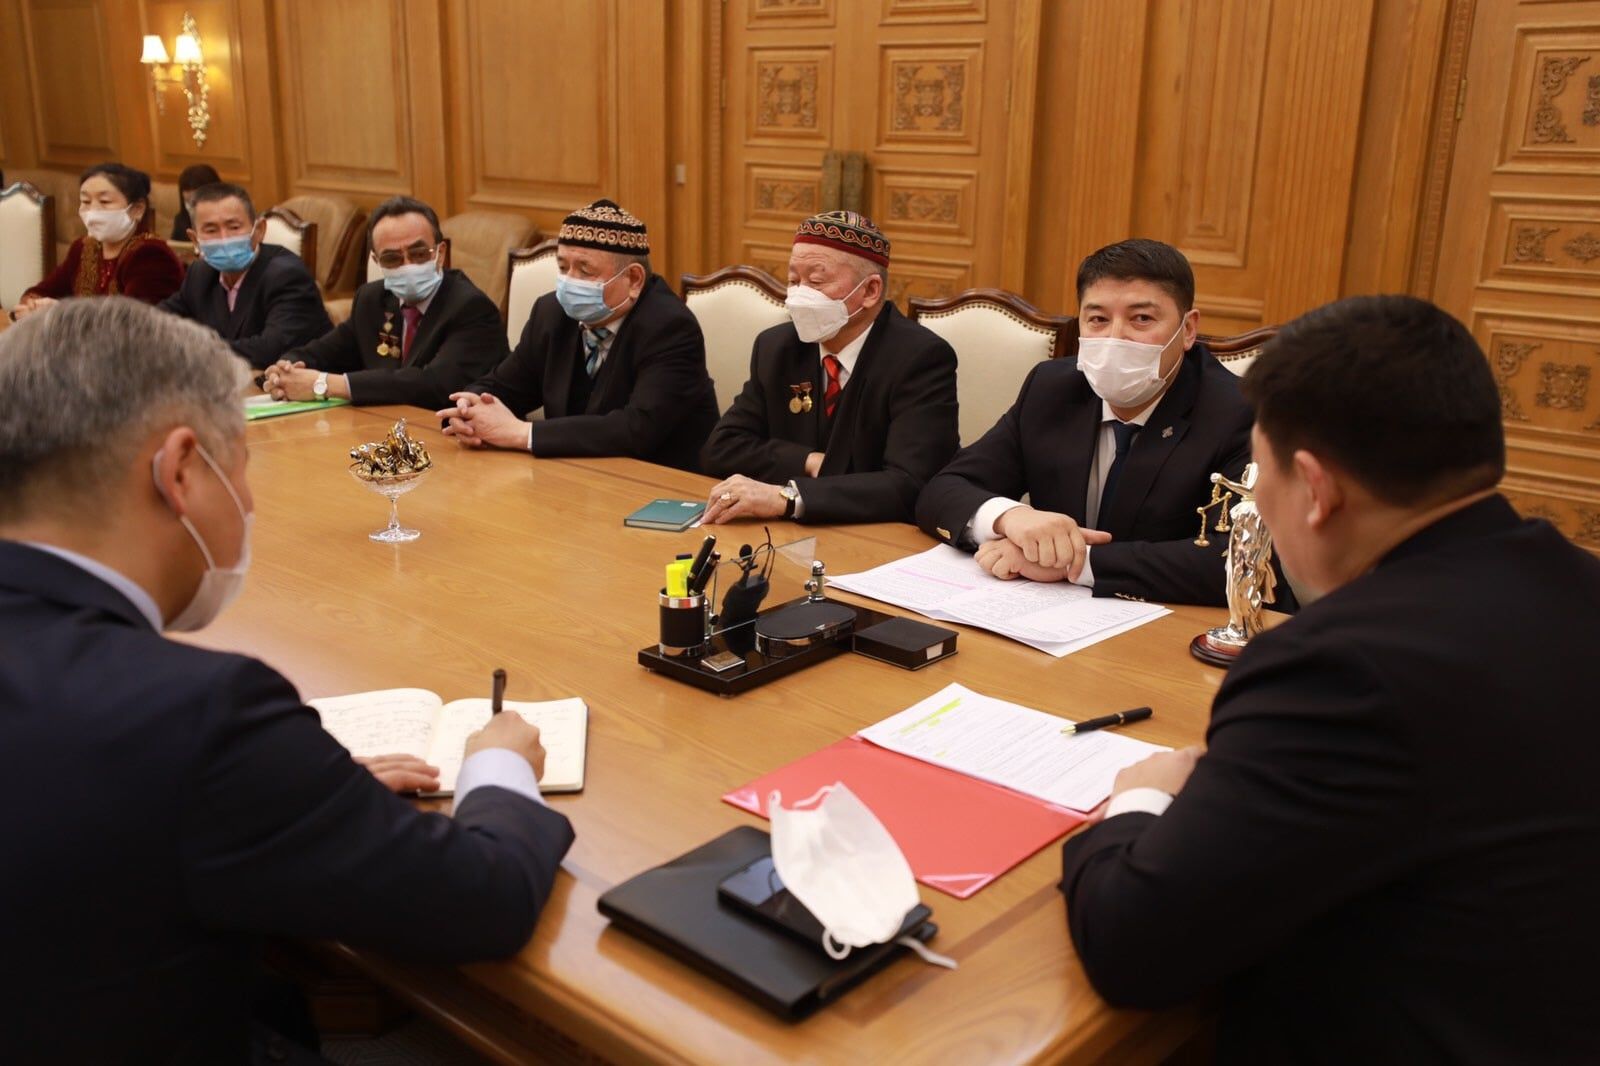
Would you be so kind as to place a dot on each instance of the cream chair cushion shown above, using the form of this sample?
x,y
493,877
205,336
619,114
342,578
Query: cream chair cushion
x,y
481,243
338,230
995,350
64,187
530,279
166,203
731,315
283,235
22,258
1239,362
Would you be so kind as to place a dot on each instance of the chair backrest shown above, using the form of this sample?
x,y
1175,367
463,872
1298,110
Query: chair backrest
x,y
166,203
1238,352
27,240
63,189
288,230
482,241
998,337
733,304
341,225
531,273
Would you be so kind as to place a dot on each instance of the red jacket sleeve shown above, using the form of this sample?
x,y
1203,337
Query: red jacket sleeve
x,y
151,272
58,283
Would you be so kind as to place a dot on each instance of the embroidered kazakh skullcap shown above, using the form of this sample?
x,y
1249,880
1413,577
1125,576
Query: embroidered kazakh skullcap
x,y
605,226
846,231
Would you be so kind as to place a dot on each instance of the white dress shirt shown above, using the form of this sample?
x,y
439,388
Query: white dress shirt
x,y
847,357
1146,800
981,528
491,766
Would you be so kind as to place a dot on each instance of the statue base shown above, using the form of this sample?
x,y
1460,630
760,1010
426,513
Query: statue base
x,y
1214,652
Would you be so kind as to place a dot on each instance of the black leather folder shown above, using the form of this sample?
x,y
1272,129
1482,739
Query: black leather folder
x,y
675,907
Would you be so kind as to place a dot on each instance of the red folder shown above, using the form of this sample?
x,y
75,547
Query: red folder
x,y
958,833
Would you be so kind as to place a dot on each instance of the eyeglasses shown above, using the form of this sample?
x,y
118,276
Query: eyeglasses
x,y
417,254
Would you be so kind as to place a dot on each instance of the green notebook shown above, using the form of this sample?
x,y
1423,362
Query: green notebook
x,y
256,410
674,516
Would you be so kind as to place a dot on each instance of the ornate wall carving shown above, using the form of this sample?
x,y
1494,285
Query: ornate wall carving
x,y
1549,124
1563,386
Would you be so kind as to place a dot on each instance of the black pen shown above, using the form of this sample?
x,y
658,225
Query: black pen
x,y
499,697
700,558
1138,714
697,584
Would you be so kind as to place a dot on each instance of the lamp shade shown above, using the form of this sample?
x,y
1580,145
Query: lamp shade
x,y
187,49
154,50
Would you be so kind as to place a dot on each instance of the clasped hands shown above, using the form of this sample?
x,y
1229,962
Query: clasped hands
x,y
744,497
407,773
289,381
1038,545
481,419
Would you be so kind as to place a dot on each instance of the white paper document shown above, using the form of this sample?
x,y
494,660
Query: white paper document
x,y
1010,745
947,584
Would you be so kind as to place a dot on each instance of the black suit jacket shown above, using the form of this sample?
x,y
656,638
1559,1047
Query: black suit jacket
x,y
651,400
1390,852
183,803
278,307
459,338
1045,444
894,427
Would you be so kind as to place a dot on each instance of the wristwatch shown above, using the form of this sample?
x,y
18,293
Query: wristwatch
x,y
791,496
319,388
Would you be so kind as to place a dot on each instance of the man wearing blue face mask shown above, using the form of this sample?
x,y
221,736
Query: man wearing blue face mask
x,y
1114,449
414,337
260,298
613,357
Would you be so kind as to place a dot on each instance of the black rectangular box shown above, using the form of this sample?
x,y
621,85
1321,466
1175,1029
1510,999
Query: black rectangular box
x,y
906,643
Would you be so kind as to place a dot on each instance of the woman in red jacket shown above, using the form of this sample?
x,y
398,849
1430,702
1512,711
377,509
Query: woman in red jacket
x,y
120,255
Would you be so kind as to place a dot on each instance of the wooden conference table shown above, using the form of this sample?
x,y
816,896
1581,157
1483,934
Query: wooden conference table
x,y
525,564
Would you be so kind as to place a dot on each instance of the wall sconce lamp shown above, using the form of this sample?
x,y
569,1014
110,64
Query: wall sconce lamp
x,y
188,70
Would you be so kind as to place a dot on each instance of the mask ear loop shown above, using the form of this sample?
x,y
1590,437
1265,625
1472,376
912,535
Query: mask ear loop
x,y
836,953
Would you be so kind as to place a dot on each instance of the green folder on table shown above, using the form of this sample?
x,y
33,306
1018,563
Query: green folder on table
x,y
672,516
254,410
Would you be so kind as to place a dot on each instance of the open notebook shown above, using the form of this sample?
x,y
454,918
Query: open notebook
x,y
414,721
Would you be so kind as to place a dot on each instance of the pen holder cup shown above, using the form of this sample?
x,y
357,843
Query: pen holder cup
x,y
683,626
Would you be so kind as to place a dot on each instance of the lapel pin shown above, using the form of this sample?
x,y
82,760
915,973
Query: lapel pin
x,y
1166,433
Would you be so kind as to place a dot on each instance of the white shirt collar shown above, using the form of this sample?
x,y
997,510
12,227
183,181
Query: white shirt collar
x,y
119,581
847,355
1106,414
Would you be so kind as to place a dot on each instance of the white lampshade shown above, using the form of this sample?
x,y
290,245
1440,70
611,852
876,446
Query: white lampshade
x,y
154,50
187,50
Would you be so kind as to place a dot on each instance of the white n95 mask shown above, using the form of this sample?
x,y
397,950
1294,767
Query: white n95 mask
x,y
838,860
1124,373
818,316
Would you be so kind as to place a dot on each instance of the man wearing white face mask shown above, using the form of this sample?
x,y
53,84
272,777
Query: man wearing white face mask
x,y
1114,449
850,406
415,336
614,359
193,787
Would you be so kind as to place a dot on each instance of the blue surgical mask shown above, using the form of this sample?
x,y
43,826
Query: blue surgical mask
x,y
230,255
414,282
585,301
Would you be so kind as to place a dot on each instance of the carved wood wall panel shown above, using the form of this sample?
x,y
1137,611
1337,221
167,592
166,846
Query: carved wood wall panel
x,y
1520,250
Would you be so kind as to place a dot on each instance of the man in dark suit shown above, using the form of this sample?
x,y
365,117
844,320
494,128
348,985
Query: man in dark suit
x,y
850,407
414,337
613,357
1114,449
1388,851
259,297
184,803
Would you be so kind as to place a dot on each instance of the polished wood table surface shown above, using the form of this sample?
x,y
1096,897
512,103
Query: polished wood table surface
x,y
525,564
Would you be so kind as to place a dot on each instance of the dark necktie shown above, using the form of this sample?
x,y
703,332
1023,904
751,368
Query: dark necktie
x,y
830,396
592,340
1125,432
412,317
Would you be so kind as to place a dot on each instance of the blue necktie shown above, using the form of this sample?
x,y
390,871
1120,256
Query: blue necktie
x,y
592,339
1125,432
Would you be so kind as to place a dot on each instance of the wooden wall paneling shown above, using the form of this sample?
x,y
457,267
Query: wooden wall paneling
x,y
1092,170
429,162
639,123
1022,94
1390,211
344,75
1519,257
692,88
227,144
66,51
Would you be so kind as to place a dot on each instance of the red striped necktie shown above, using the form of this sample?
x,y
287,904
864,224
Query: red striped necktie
x,y
830,397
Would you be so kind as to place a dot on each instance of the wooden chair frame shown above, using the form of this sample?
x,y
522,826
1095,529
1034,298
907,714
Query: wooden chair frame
x,y
763,282
1240,345
1063,327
